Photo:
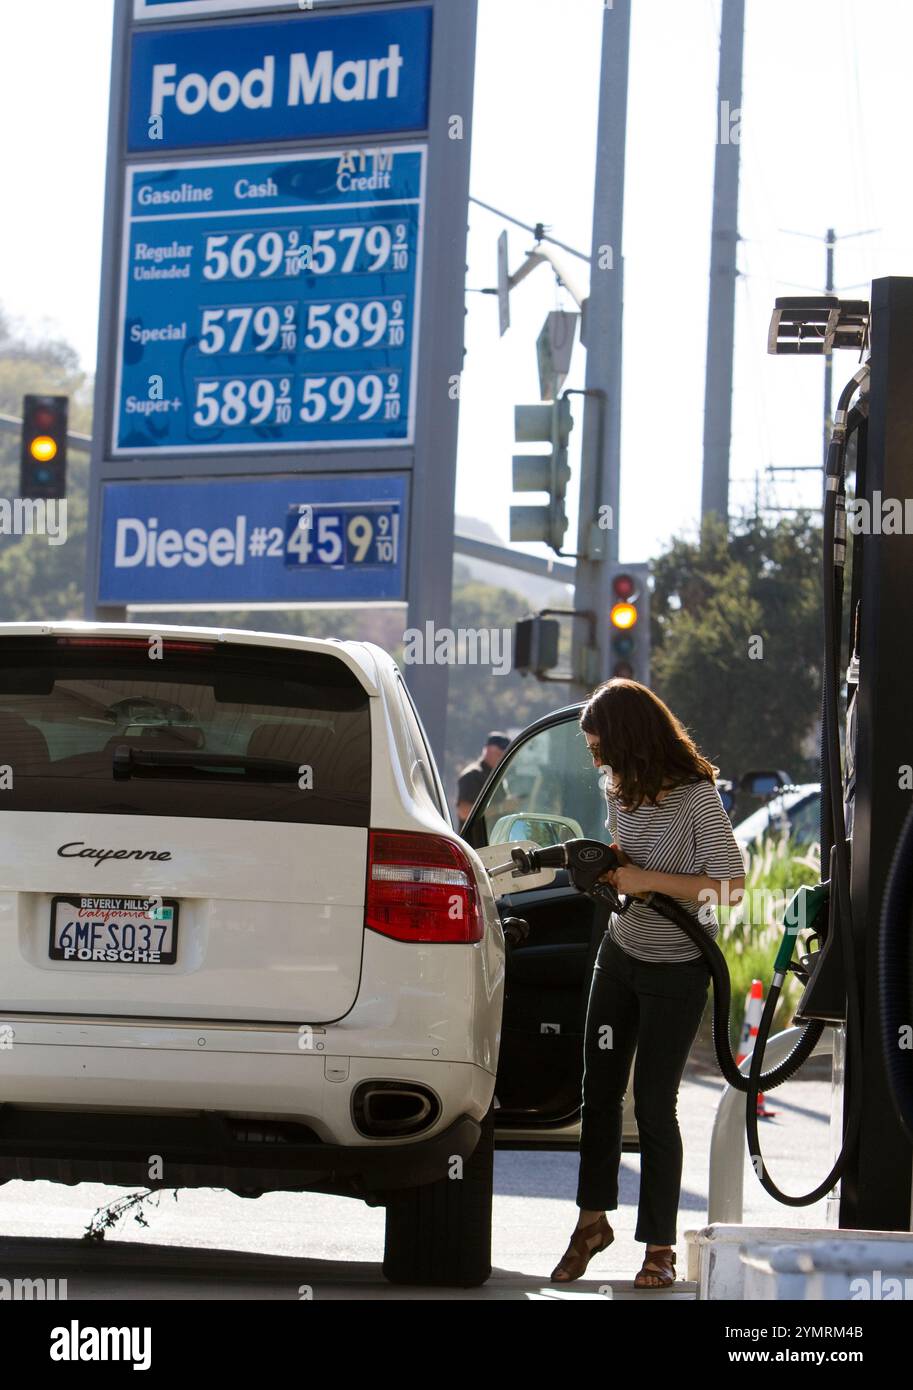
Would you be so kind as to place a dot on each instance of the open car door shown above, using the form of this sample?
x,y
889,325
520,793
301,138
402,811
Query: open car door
x,y
544,790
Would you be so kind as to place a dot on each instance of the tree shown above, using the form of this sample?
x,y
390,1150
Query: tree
x,y
736,641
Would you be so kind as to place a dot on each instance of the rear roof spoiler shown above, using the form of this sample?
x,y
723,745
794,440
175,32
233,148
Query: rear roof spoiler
x,y
353,654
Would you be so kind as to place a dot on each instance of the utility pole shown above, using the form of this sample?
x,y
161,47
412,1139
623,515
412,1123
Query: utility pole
x,y
600,466
723,267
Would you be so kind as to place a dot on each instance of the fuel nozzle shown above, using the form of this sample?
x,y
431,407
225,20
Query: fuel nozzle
x,y
585,861
530,861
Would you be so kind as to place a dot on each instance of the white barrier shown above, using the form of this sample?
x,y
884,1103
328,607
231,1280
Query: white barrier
x,y
727,1142
857,1267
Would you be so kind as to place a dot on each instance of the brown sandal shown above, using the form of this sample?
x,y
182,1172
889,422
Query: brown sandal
x,y
574,1261
661,1265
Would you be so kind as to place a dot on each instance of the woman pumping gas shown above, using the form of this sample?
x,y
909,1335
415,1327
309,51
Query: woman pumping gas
x,y
650,982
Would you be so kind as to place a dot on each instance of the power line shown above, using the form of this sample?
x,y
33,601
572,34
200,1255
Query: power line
x,y
538,229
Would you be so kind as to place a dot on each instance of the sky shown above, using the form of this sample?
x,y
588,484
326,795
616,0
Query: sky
x,y
825,121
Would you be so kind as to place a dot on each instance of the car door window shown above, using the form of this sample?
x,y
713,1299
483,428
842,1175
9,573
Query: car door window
x,y
545,790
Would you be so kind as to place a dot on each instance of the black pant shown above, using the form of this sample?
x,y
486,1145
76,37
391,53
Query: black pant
x,y
655,1007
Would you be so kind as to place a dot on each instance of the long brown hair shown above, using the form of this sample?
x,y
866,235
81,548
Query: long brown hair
x,y
642,741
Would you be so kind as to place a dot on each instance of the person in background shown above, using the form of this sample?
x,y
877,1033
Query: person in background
x,y
475,775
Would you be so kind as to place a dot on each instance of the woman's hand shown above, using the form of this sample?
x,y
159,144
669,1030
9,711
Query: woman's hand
x,y
620,854
629,879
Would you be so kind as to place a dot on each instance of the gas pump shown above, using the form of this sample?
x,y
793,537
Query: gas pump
x,y
863,983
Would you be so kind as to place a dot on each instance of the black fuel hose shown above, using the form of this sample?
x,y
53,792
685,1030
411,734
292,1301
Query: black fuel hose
x,y
722,1004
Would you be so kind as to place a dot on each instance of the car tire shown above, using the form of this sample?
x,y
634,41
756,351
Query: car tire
x,y
440,1233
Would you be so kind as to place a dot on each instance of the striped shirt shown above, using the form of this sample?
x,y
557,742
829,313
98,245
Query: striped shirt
x,y
688,832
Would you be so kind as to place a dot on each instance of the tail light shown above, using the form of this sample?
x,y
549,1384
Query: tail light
x,y
421,888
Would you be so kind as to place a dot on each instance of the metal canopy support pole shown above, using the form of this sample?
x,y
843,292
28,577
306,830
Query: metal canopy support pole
x,y
876,1188
723,268
600,466
104,379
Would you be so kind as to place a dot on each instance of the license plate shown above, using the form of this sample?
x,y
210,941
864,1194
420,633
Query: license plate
x,y
119,931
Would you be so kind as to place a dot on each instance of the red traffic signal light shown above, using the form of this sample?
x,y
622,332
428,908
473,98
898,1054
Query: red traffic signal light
x,y
43,459
624,586
44,417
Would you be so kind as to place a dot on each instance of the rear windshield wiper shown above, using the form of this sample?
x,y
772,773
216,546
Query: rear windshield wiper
x,y
131,762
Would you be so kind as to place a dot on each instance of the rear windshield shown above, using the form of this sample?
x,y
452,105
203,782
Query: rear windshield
x,y
288,732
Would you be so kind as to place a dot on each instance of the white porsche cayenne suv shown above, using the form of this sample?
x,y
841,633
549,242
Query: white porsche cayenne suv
x,y
242,946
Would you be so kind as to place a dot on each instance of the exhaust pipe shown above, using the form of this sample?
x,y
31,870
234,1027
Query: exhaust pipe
x,y
393,1109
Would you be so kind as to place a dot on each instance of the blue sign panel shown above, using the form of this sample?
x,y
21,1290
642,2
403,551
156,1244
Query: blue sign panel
x,y
270,303
289,79
189,9
277,540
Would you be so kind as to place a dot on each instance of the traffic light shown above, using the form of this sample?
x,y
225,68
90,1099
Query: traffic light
x,y
43,461
629,619
550,423
536,645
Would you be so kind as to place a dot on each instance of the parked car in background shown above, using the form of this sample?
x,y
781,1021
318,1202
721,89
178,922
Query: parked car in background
x,y
795,812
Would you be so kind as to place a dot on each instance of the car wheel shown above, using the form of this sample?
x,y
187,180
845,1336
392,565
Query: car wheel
x,y
440,1233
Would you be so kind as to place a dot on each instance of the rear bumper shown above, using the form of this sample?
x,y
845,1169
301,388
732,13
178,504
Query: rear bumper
x,y
246,1108
214,1151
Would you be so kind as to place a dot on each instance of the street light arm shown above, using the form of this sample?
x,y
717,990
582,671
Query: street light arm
x,y
544,253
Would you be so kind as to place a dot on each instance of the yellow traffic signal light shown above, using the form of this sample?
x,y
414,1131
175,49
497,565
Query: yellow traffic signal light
x,y
623,616
43,448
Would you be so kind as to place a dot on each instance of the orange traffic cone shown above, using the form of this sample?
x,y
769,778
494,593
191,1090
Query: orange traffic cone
x,y
754,1008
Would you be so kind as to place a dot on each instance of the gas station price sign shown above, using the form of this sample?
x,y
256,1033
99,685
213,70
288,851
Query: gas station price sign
x,y
343,535
297,539
270,303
